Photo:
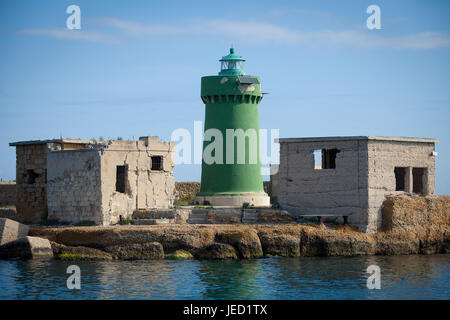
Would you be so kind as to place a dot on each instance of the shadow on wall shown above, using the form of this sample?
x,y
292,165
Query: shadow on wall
x,y
8,193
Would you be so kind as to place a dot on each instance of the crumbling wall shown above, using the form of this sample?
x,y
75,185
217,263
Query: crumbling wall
x,y
186,190
300,189
8,193
415,214
74,186
424,220
31,182
267,188
145,188
383,157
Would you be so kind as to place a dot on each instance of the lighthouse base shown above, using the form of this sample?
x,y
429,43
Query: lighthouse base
x,y
231,200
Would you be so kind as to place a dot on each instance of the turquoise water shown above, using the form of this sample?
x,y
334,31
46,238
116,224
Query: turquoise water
x,y
402,277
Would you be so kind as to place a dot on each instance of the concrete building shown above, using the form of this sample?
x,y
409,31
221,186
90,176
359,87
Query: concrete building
x,y
350,176
73,180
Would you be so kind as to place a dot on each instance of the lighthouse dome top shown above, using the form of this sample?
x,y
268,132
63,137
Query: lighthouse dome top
x,y
231,64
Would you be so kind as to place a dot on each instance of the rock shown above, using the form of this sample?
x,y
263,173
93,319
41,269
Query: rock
x,y
189,238
312,245
284,245
217,251
431,247
328,242
63,252
27,248
445,248
180,255
137,251
245,241
186,237
396,243
389,247
181,215
11,230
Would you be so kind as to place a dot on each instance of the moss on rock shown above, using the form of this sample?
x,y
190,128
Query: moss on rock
x,y
78,253
180,255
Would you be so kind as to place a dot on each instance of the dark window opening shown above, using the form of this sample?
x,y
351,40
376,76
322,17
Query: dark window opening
x,y
418,180
31,176
121,179
327,158
157,163
400,174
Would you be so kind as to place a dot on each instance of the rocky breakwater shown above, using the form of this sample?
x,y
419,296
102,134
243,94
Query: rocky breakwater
x,y
15,242
411,225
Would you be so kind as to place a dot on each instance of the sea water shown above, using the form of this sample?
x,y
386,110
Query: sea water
x,y
401,277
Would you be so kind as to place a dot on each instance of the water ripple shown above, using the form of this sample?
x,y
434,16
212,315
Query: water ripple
x,y
403,277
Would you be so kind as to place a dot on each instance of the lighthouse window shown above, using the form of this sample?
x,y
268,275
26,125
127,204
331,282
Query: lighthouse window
x,y
224,65
231,65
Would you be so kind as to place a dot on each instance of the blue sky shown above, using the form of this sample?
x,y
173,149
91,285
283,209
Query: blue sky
x,y
134,69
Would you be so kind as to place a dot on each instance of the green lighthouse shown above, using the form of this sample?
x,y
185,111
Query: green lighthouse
x,y
231,165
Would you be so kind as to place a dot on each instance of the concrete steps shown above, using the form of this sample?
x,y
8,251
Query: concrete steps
x,y
198,217
224,216
152,221
250,216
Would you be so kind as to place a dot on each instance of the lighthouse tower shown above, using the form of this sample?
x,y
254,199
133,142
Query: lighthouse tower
x,y
231,166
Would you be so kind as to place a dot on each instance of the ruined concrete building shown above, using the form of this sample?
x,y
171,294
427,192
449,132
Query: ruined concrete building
x,y
350,176
73,180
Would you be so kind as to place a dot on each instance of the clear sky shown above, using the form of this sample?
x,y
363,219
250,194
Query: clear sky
x,y
134,69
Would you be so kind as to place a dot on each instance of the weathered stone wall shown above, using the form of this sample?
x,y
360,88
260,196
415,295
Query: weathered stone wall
x,y
186,190
74,186
300,189
8,212
8,193
383,157
415,214
145,188
424,221
31,182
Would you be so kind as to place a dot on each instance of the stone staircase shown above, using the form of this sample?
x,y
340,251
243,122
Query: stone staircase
x,y
152,221
250,216
198,217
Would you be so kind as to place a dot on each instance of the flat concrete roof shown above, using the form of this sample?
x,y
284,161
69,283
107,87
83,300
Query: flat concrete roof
x,y
350,138
34,142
